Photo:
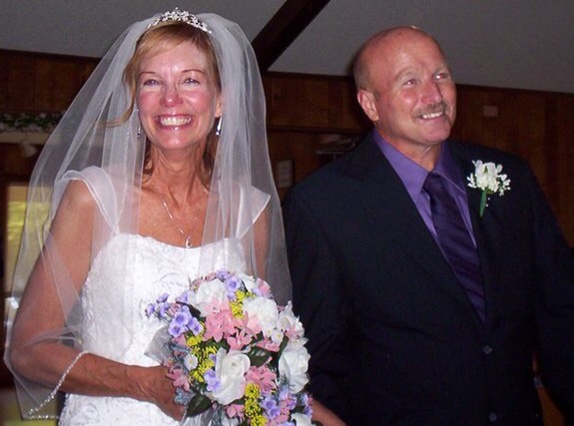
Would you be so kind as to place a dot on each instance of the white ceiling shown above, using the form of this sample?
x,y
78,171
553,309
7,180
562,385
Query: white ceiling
x,y
525,44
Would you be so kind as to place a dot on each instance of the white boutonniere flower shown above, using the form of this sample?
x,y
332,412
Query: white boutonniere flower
x,y
488,178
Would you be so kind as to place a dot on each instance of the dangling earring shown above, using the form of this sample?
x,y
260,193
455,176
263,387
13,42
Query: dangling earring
x,y
139,133
219,125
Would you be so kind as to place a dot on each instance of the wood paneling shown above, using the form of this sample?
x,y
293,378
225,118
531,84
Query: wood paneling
x,y
538,126
40,82
312,103
304,111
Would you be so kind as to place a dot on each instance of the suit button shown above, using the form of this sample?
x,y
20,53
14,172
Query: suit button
x,y
487,349
492,417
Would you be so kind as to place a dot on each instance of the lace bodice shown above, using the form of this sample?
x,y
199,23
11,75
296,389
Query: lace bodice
x,y
115,325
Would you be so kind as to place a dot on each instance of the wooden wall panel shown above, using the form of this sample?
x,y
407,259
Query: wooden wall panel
x,y
312,103
44,83
298,102
298,147
40,82
304,111
563,164
538,126
4,72
20,90
345,112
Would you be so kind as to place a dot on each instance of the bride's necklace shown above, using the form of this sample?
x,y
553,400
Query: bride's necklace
x,y
186,237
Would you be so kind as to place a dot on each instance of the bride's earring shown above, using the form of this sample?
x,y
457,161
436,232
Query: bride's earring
x,y
219,126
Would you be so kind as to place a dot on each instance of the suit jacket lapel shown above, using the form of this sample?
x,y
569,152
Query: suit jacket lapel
x,y
487,229
396,215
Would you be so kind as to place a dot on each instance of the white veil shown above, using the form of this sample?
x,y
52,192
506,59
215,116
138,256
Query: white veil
x,y
84,142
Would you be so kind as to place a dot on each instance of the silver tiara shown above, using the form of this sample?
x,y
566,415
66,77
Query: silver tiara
x,y
181,16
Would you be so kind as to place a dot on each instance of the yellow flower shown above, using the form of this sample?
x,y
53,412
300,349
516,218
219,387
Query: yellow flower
x,y
236,309
252,408
241,295
237,305
259,420
252,391
204,362
194,340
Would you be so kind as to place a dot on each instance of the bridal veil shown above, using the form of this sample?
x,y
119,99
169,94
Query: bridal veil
x,y
89,137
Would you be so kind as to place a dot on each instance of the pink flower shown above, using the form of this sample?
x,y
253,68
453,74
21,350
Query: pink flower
x,y
263,287
263,377
219,325
239,340
180,379
180,340
279,420
235,410
269,344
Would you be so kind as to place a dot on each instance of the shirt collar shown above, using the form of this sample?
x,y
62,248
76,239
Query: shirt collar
x,y
413,175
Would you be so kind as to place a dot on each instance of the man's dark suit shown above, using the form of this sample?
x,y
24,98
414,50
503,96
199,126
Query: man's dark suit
x,y
393,337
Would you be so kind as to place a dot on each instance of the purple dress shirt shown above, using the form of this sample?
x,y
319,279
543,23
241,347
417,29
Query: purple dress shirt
x,y
413,177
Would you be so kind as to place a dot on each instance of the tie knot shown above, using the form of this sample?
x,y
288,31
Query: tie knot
x,y
433,183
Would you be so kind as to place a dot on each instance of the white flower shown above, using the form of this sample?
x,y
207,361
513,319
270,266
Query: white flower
x,y
293,364
230,369
301,419
262,312
190,362
248,281
289,322
488,178
207,293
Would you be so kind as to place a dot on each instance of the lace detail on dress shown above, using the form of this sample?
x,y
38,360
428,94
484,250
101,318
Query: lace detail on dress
x,y
115,325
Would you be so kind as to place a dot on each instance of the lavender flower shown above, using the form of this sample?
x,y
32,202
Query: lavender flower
x,y
195,326
213,385
271,407
232,285
180,321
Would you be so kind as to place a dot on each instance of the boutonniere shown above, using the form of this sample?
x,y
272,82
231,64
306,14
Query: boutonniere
x,y
488,178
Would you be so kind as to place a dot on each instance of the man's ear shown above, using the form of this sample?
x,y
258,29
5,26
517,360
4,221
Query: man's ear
x,y
367,101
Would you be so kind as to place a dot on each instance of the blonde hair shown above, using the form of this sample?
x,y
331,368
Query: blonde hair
x,y
159,38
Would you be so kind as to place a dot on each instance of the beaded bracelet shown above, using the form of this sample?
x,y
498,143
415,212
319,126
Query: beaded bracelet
x,y
52,395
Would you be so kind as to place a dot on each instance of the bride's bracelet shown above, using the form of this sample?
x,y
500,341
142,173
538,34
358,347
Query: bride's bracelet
x,y
57,388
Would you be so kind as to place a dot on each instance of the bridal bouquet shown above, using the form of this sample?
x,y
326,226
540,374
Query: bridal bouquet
x,y
234,354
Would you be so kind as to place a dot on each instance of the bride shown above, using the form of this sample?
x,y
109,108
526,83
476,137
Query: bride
x,y
157,174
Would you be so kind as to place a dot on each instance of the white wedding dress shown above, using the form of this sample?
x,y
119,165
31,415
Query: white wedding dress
x,y
119,328
128,273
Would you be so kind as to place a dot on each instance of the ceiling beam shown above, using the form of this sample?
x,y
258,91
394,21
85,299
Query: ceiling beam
x,y
283,28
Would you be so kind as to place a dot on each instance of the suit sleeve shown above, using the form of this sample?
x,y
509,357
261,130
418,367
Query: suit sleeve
x,y
318,298
555,302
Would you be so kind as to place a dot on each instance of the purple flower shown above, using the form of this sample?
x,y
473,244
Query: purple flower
x,y
185,297
162,309
284,392
271,408
213,385
195,326
179,322
232,284
222,275
150,310
176,330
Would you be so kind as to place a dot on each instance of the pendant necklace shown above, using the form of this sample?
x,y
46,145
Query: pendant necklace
x,y
186,237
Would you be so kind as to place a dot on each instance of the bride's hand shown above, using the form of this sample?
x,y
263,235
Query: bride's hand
x,y
325,416
160,391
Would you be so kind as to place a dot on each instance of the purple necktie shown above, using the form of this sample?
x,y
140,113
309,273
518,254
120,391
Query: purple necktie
x,y
455,241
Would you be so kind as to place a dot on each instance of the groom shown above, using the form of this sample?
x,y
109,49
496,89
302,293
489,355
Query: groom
x,y
423,306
